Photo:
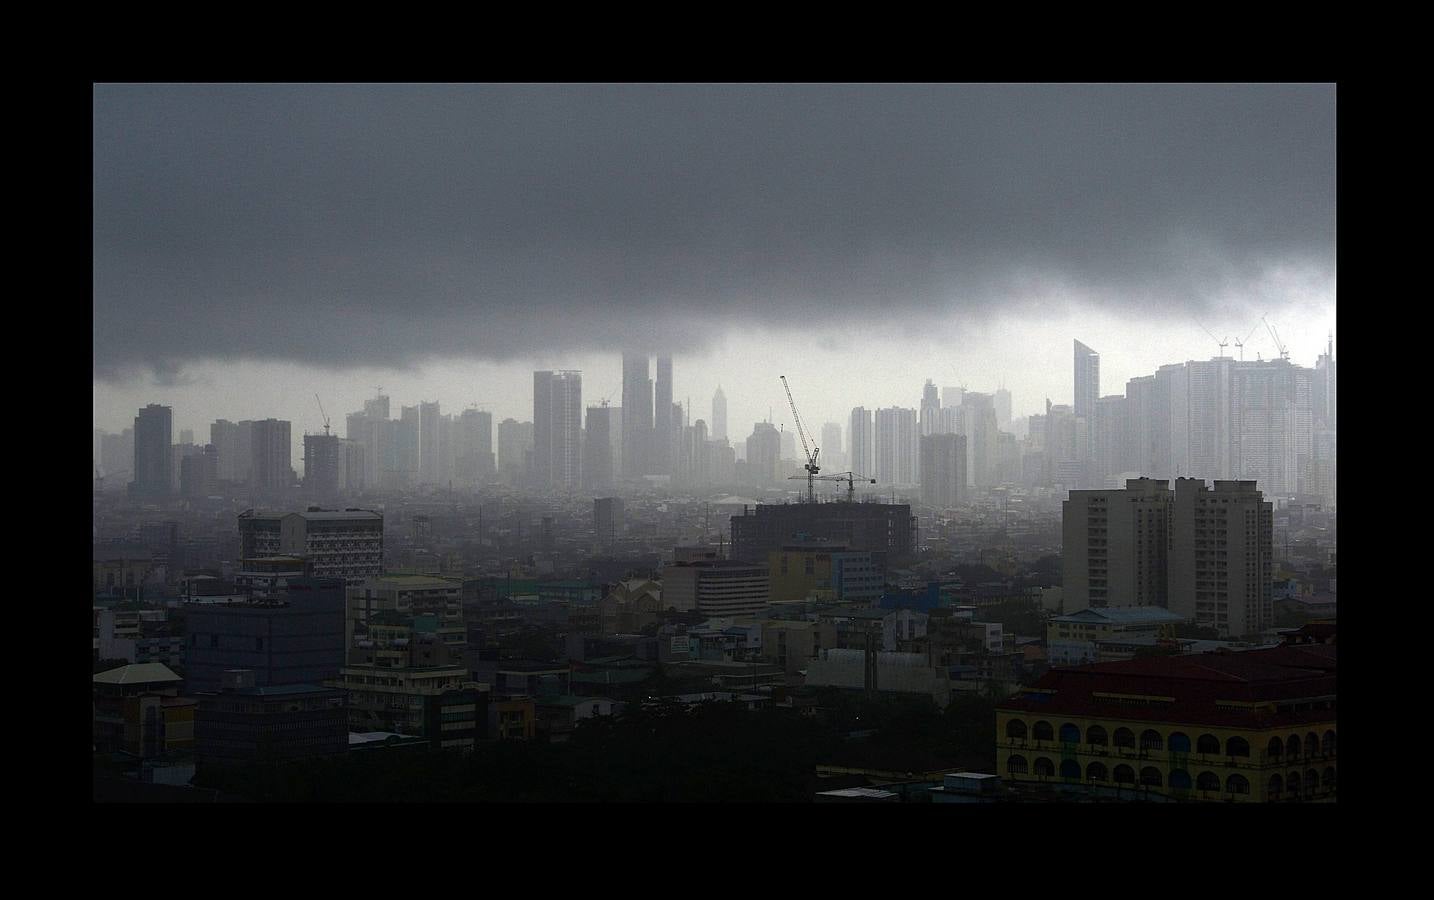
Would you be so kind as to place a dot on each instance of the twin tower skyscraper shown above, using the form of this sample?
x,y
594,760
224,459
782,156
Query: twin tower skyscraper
x,y
651,425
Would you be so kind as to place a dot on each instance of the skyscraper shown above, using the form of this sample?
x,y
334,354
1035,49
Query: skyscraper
x,y
1003,408
271,471
943,470
153,441
764,450
833,455
473,447
598,457
428,444
862,440
719,415
557,429
663,420
636,415
930,409
323,465
897,453
515,446
1087,391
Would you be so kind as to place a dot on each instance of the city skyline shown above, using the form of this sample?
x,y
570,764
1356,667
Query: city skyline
x,y
962,233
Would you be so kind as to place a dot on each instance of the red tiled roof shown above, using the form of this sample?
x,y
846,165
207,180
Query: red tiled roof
x,y
1198,683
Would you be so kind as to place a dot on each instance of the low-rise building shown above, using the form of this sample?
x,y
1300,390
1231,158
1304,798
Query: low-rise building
x,y
1253,726
1072,640
138,710
243,723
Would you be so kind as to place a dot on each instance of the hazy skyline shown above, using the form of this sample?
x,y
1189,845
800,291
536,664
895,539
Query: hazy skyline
x,y
254,245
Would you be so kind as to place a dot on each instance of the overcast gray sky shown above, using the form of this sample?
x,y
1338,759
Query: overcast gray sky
x,y
255,244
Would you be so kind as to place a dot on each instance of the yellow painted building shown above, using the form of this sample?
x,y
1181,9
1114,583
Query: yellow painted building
x,y
1251,727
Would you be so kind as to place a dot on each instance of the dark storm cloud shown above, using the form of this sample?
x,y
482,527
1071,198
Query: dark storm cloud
x,y
347,225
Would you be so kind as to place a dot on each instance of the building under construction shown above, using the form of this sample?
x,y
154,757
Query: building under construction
x,y
887,529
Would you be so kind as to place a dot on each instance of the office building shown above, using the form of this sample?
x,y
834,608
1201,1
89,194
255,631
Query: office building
x,y
1116,546
930,409
719,415
716,587
323,466
515,448
943,470
1003,408
664,422
153,440
887,530
473,461
557,429
825,570
764,453
271,471
598,456
293,636
637,422
862,443
243,723
1222,556
1087,389
345,544
897,454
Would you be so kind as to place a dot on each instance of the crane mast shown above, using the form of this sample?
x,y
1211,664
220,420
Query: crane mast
x,y
811,452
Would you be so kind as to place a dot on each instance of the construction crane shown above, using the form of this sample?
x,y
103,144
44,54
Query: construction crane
x,y
1284,352
811,452
1221,342
324,414
1240,345
848,477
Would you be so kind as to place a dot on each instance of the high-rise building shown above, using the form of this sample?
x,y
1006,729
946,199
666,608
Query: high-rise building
x,y
515,447
897,453
952,396
862,439
1273,429
406,446
199,474
1115,546
982,444
1323,389
557,429
1003,408
608,524
663,421
833,457
1113,445
1222,556
637,422
153,449
930,409
1087,380
428,443
719,415
1209,384
344,544
271,470
323,466
717,587
473,461
764,453
943,470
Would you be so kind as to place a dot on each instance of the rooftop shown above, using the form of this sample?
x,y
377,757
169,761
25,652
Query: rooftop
x,y
1122,615
139,673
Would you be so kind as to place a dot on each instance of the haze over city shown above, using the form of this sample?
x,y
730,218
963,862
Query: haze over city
x,y
714,443
444,241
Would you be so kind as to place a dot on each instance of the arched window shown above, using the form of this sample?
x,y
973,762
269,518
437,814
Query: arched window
x,y
1179,780
1150,739
1045,768
1070,770
1292,781
1237,746
1237,784
1276,749
1124,775
1311,781
1208,743
1096,772
1070,734
1178,742
1043,731
1329,778
1017,765
1096,736
1327,747
1292,746
1208,781
1277,786
1016,729
1124,737
1311,744
1150,777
